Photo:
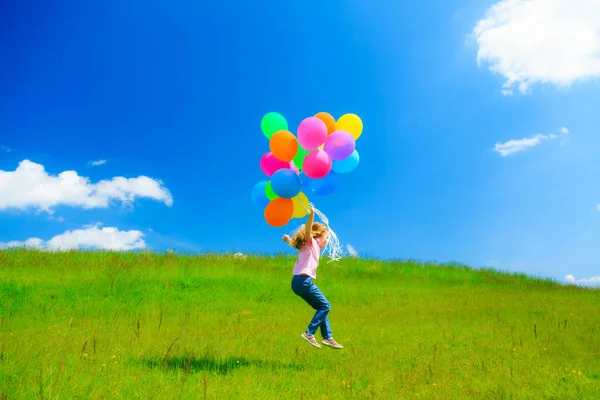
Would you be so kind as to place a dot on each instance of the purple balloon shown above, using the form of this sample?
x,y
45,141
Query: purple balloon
x,y
339,145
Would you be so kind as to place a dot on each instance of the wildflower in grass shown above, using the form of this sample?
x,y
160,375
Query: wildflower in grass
x,y
309,240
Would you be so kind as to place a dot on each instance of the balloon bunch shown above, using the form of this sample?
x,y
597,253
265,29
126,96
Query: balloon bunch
x,y
306,164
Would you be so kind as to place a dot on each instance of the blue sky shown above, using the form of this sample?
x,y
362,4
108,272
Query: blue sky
x,y
175,92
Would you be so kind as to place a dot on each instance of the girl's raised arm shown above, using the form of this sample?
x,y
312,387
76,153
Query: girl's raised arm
x,y
308,226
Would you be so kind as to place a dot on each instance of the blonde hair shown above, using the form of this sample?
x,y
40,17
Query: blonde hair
x,y
299,239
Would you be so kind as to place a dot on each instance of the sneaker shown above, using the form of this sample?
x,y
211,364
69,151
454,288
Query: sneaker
x,y
310,339
332,343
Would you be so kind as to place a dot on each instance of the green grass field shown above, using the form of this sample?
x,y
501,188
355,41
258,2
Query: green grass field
x,y
93,325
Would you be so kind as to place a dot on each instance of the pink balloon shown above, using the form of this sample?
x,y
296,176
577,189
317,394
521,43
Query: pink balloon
x,y
339,145
317,164
294,168
312,133
270,164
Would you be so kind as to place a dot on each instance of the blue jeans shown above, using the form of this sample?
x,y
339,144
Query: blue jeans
x,y
304,287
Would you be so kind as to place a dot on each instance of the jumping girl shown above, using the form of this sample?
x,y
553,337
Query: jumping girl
x,y
309,241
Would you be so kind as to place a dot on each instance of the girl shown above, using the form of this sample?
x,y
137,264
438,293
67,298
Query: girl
x,y
309,242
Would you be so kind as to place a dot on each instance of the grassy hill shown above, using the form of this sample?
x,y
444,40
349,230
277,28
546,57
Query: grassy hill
x,y
167,326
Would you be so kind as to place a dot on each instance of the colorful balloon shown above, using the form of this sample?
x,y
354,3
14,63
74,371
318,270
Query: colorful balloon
x,y
279,212
283,145
269,192
270,164
350,123
259,195
347,164
306,183
317,164
273,122
326,185
339,145
301,204
312,133
304,165
320,187
285,183
329,121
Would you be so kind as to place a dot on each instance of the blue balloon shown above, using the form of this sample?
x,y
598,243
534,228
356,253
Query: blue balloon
x,y
307,184
326,185
320,187
347,164
259,194
285,183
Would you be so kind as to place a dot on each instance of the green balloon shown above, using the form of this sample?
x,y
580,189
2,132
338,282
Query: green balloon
x,y
273,122
269,192
300,156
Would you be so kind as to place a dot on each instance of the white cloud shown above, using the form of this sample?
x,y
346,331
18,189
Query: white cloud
x,y
598,207
592,281
5,148
352,251
97,163
517,145
540,41
31,186
91,237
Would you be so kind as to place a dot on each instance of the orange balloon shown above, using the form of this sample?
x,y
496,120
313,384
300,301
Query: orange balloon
x,y
279,212
284,145
329,121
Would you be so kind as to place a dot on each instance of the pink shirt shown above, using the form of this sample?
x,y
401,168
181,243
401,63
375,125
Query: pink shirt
x,y
308,259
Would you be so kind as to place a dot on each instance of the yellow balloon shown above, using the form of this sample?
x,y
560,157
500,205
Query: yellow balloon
x,y
299,201
350,123
321,147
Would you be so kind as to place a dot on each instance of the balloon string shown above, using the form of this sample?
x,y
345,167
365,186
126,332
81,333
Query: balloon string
x,y
333,246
